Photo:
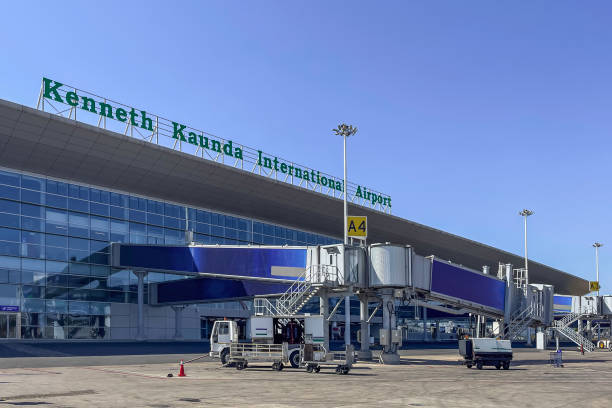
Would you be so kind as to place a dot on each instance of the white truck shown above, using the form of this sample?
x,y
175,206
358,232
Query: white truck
x,y
263,330
481,352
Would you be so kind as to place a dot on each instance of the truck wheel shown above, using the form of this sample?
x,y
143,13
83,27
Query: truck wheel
x,y
479,365
224,354
498,365
309,368
506,365
338,370
275,366
345,370
317,369
469,365
240,366
294,359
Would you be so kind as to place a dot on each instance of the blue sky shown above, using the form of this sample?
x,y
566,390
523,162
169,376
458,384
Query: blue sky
x,y
467,111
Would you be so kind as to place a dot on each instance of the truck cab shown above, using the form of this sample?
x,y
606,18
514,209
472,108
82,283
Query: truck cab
x,y
224,332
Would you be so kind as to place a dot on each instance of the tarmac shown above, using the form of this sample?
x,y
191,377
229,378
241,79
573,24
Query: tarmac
x,y
425,378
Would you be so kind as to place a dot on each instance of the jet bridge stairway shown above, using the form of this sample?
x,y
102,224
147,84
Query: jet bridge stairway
x,y
520,322
308,285
562,327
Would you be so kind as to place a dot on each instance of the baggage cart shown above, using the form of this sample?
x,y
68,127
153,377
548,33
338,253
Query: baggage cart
x,y
315,356
242,353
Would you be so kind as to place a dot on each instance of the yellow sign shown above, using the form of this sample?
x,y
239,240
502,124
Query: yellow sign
x,y
357,227
594,286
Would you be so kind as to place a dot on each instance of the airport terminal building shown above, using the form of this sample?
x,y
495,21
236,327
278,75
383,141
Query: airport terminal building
x,y
80,172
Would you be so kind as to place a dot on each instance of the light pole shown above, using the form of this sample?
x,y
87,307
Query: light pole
x,y
597,245
526,213
345,131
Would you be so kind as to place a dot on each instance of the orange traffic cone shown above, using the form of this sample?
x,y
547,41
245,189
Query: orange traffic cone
x,y
182,370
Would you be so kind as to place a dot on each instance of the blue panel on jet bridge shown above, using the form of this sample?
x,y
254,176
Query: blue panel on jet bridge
x,y
463,284
204,289
275,263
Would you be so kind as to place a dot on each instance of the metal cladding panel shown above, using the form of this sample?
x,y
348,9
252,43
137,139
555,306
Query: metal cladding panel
x,y
209,289
388,266
474,287
275,263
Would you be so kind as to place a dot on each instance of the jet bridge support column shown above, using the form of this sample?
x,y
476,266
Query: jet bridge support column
x,y
140,330
364,352
389,353
178,321
324,311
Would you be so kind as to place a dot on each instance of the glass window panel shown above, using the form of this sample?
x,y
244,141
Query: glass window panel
x,y
56,201
78,255
231,233
99,196
99,228
57,280
10,178
33,277
230,222
35,197
78,205
171,222
52,292
56,240
155,219
202,239
202,228
217,231
9,220
118,212
99,246
98,258
56,216
257,228
8,262
172,210
8,206
80,269
33,224
56,254
77,243
138,216
56,267
138,239
34,305
203,216
101,271
32,251
155,207
32,292
9,192
97,308
33,210
32,183
33,265
268,229
57,306
99,209
119,200
9,248
79,281
80,220
8,234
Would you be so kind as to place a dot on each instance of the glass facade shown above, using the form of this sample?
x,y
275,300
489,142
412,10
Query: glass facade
x,y
54,249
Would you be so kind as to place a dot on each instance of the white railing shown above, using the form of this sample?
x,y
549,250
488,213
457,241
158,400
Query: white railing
x,y
577,338
300,291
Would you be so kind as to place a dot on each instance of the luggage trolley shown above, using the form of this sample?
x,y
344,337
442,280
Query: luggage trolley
x,y
313,356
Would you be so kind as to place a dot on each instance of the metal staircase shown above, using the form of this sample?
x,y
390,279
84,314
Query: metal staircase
x,y
562,326
305,287
519,323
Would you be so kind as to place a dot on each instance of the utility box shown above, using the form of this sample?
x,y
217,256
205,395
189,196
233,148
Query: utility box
x,y
260,329
314,327
396,337
541,340
383,336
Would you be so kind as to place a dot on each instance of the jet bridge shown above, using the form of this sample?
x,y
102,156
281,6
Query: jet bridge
x,y
283,279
